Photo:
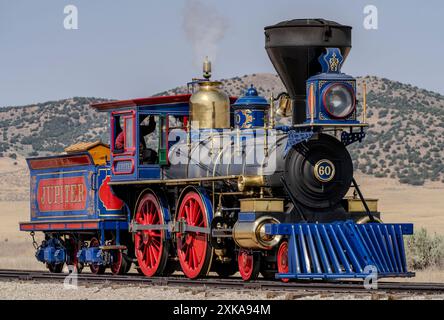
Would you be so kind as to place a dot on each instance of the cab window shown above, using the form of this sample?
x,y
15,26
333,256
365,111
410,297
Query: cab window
x,y
129,133
123,133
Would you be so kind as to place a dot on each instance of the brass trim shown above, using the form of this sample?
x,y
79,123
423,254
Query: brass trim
x,y
360,125
251,235
262,205
174,181
364,102
245,182
356,205
316,170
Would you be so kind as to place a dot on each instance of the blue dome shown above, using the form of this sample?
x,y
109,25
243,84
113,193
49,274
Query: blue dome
x,y
251,99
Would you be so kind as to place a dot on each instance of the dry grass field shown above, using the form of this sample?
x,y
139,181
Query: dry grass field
x,y
16,250
421,205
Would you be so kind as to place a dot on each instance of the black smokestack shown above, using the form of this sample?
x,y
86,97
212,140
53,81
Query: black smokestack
x,y
294,48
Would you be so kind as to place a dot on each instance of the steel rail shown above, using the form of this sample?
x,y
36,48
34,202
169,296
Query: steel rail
x,y
351,286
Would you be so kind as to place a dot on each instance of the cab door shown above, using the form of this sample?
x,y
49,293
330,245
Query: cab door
x,y
155,143
123,145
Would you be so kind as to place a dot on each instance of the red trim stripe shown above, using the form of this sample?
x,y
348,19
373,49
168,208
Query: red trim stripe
x,y
41,226
59,226
56,226
62,162
74,226
26,227
90,225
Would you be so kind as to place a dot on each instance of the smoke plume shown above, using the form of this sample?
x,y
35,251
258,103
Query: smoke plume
x,y
204,27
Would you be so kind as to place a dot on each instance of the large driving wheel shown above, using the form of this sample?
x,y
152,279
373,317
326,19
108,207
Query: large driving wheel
x,y
193,248
151,247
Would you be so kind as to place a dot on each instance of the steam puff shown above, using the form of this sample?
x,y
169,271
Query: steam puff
x,y
204,28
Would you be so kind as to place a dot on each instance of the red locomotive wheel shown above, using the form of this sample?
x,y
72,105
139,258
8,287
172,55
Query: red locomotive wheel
x,y
73,250
96,268
117,266
193,248
248,264
120,262
282,259
150,248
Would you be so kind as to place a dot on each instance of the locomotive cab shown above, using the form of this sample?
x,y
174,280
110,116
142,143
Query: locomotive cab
x,y
139,134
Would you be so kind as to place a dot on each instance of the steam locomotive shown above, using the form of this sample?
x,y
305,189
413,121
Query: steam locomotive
x,y
218,186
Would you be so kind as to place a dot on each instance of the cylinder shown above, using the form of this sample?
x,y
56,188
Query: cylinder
x,y
251,234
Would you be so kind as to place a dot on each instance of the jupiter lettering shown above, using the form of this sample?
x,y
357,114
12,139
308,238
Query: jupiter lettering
x,y
60,194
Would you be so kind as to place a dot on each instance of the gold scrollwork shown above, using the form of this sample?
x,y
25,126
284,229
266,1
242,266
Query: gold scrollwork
x,y
248,123
334,63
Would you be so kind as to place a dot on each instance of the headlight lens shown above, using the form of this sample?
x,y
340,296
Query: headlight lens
x,y
339,101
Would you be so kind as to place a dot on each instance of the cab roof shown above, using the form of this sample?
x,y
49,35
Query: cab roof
x,y
124,104
151,101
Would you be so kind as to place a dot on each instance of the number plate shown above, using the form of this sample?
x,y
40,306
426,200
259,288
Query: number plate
x,y
324,170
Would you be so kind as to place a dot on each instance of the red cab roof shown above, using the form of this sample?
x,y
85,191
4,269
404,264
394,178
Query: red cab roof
x,y
114,105
107,106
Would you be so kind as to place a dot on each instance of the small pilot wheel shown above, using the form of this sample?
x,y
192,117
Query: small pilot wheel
x,y
282,259
72,253
96,268
225,270
119,264
249,265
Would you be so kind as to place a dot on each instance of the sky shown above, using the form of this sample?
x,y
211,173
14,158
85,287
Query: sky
x,y
136,48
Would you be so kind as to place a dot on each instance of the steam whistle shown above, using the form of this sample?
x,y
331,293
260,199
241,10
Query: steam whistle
x,y
207,69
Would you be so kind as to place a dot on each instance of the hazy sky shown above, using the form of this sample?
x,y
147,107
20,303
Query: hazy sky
x,y
135,48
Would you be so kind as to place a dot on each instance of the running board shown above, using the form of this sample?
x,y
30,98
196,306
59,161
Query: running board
x,y
343,250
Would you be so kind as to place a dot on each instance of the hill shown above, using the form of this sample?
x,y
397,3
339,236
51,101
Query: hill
x,y
405,140
47,128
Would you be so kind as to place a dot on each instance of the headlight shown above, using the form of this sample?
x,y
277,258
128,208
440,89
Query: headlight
x,y
339,100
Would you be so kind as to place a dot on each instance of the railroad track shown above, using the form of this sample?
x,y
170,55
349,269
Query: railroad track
x,y
353,286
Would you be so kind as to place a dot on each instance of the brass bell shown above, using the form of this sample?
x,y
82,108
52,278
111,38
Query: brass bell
x,y
284,106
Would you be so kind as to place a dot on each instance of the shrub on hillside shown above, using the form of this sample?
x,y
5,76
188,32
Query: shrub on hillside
x,y
424,250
